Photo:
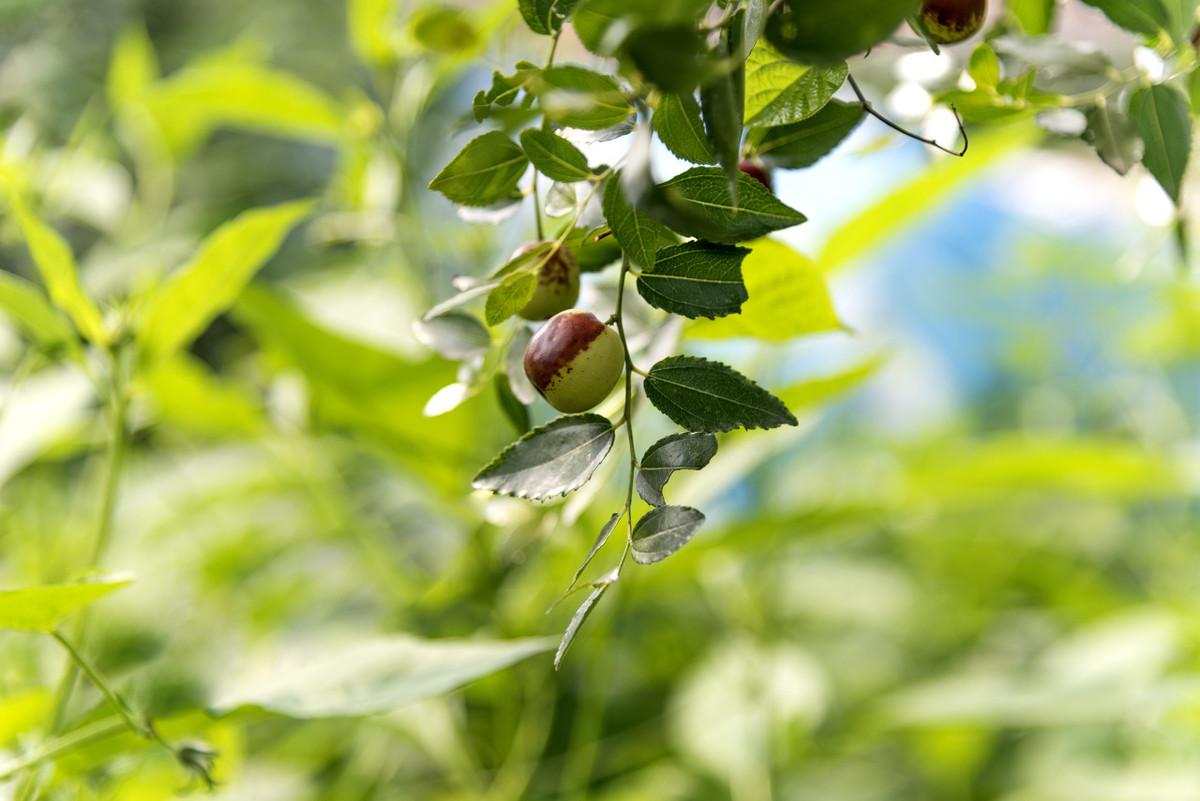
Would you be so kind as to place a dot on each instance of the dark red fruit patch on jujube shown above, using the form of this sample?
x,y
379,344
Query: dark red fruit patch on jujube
x,y
558,342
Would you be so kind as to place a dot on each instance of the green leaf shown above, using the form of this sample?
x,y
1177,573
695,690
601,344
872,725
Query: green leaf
x,y
803,98
696,279
828,32
675,452
984,66
485,172
673,58
444,29
552,460
576,97
594,249
722,103
43,608
56,264
1161,116
23,302
209,284
186,395
367,676
453,335
510,296
1034,17
192,103
604,25
697,203
1146,17
662,531
638,234
554,157
788,298
504,91
1114,136
581,614
803,144
546,16
678,124
705,396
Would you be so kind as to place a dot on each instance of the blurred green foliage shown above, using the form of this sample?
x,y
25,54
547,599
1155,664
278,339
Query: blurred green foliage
x,y
998,606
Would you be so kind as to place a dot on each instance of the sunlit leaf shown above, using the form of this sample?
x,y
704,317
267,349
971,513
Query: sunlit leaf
x,y
208,284
486,171
554,156
23,303
552,460
43,608
367,676
186,395
512,295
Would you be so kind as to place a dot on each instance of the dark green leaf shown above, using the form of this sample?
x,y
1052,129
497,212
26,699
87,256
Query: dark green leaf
x,y
546,16
673,58
1146,17
1114,137
696,279
1161,115
686,451
638,234
662,531
603,25
802,98
581,614
510,296
804,143
593,250
722,102
554,156
485,172
454,335
555,459
827,32
697,203
510,404
678,124
576,97
701,395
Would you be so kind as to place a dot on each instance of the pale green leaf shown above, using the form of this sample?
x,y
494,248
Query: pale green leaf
x,y
42,608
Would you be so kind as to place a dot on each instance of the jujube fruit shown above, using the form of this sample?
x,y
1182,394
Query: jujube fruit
x,y
574,360
557,282
950,21
758,172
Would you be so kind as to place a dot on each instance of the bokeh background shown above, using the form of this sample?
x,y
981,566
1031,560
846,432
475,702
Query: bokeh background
x,y
970,573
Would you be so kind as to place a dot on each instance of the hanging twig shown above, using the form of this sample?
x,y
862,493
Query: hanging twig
x,y
867,107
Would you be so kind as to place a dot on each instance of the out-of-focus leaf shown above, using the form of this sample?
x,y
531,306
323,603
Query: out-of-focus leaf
x,y
208,284
919,197
546,16
516,411
552,460
722,104
984,66
674,452
706,396
187,396
56,264
1114,136
576,97
817,391
444,29
39,411
1033,16
368,22
674,58
43,608
23,303
368,676
454,335
788,298
21,713
133,68
190,104
1162,118
1146,17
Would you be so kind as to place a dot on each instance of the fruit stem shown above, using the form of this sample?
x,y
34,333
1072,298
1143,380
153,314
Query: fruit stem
x,y
628,415
868,108
537,209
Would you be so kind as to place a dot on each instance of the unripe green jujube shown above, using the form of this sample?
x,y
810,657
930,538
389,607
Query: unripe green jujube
x,y
950,21
574,361
557,282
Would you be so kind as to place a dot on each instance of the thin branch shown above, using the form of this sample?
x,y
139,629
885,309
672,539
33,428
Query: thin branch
x,y
867,107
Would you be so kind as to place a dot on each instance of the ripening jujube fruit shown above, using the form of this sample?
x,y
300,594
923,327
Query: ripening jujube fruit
x,y
557,282
950,21
574,360
758,172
